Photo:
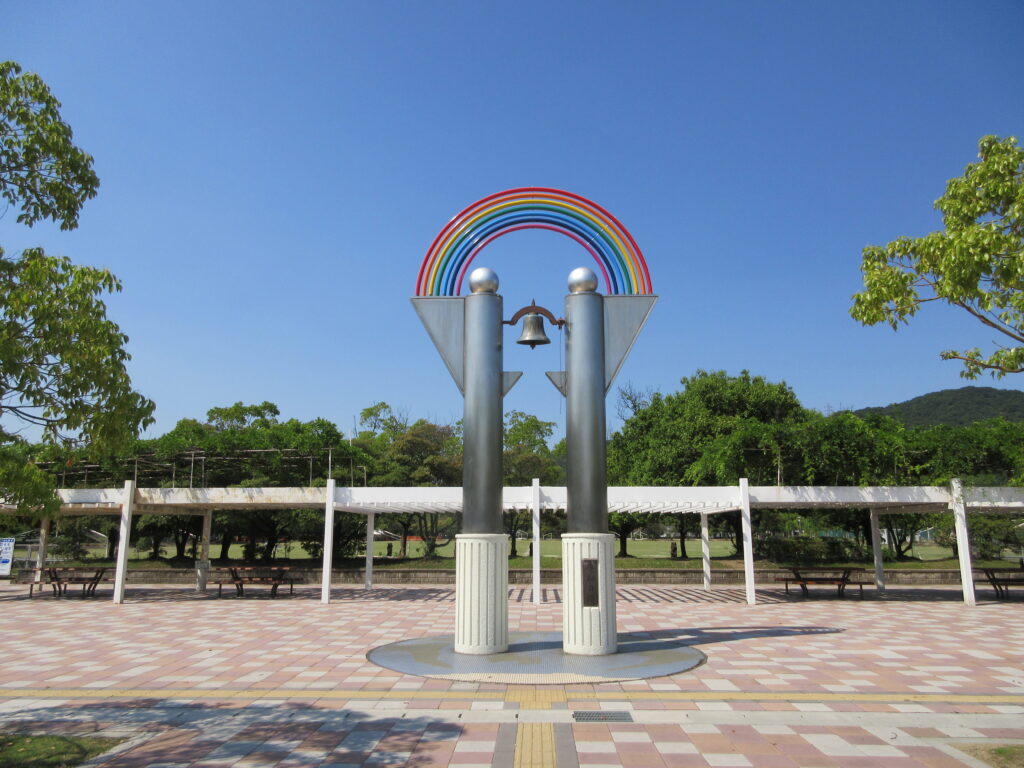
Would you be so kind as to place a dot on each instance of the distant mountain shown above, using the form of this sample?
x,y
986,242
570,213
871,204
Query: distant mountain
x,y
955,407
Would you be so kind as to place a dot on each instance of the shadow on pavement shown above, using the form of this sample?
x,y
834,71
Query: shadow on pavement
x,y
161,731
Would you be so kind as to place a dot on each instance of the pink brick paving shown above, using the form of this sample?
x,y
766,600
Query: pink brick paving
x,y
195,681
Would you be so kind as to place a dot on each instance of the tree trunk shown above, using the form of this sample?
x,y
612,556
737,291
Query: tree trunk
x,y
182,533
157,541
180,542
623,538
429,540
249,551
737,533
225,544
513,518
112,539
681,522
268,549
898,543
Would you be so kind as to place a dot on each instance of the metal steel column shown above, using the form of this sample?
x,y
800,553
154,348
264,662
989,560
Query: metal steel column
x,y
963,540
588,555
121,572
586,471
876,551
328,559
483,420
481,549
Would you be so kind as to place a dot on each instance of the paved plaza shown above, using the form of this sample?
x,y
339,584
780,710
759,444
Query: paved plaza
x,y
190,680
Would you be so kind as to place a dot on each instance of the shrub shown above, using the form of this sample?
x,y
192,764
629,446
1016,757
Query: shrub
x,y
810,550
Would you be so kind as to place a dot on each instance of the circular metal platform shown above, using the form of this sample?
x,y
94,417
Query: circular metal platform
x,y
536,658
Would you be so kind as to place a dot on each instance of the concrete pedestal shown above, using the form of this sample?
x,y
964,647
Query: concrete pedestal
x,y
481,593
588,601
202,575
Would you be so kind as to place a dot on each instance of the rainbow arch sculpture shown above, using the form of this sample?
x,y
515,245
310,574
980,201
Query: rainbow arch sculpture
x,y
447,261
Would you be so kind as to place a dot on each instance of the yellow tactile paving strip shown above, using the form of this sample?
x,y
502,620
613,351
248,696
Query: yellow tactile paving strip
x,y
535,698
528,698
535,746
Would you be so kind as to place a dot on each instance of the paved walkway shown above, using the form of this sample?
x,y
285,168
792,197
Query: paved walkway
x,y
193,681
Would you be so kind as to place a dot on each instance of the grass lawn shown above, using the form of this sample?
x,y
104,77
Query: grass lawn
x,y
996,755
642,553
23,751
552,548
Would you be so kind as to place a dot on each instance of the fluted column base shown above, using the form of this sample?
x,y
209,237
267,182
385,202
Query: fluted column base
x,y
481,593
588,594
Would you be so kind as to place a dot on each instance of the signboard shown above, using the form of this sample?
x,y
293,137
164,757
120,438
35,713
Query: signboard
x,y
6,556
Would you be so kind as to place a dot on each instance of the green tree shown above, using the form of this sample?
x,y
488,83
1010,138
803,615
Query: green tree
x,y
420,454
976,263
527,455
62,362
718,429
623,524
249,446
844,449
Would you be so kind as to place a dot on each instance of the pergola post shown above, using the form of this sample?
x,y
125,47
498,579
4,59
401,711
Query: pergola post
x,y
876,549
44,540
535,515
748,542
368,571
705,550
963,541
123,543
203,566
325,588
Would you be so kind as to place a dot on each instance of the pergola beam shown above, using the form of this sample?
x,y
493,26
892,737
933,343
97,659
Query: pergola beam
x,y
703,501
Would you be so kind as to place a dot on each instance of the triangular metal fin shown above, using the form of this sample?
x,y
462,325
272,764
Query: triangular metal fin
x,y
445,321
508,380
624,317
558,379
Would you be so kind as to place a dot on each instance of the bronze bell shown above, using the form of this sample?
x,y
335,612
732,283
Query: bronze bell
x,y
533,331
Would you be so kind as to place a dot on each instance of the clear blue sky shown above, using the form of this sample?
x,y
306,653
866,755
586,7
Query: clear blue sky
x,y
273,173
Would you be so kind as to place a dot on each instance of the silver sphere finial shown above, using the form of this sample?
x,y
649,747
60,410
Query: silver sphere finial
x,y
582,280
483,280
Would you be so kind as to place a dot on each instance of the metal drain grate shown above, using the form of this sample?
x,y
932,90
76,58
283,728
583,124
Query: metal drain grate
x,y
590,716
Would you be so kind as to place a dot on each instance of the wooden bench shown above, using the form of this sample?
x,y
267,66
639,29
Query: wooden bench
x,y
1002,579
239,577
838,577
60,579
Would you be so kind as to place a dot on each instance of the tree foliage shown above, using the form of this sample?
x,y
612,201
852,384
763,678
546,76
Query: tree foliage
x,y
526,456
721,428
976,263
62,361
42,173
717,429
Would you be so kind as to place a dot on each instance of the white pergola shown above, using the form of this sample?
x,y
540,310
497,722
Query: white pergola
x,y
703,501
